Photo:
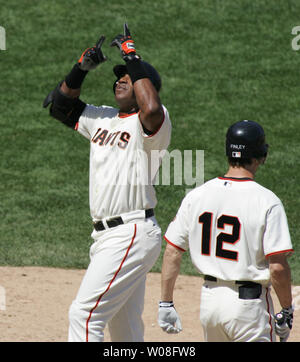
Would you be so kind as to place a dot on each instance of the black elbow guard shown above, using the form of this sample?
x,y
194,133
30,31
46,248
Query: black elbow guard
x,y
64,108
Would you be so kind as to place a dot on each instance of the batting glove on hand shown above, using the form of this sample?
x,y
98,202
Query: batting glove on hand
x,y
92,57
168,319
125,44
284,323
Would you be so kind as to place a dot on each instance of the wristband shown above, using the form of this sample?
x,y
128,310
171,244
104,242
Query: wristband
x,y
136,69
290,309
166,304
75,78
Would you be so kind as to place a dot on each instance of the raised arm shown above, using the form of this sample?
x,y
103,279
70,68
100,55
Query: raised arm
x,y
64,99
146,91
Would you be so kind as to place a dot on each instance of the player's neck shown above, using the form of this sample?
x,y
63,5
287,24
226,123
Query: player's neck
x,y
123,113
241,172
127,107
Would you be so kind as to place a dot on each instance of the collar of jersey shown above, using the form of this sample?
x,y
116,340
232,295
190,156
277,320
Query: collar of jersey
x,y
128,114
239,179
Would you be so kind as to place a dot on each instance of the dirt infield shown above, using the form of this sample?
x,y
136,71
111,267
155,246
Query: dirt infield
x,y
34,305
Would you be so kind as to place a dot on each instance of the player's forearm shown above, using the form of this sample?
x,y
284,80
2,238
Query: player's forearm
x,y
73,93
73,81
281,280
170,271
151,111
147,98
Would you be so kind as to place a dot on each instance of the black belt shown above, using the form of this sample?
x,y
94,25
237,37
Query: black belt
x,y
115,221
247,290
213,279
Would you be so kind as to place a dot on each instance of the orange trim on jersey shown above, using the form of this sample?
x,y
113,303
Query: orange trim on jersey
x,y
175,246
153,134
109,285
125,115
76,126
280,252
235,179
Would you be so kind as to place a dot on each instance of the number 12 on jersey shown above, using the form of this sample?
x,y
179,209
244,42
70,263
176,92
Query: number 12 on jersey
x,y
206,219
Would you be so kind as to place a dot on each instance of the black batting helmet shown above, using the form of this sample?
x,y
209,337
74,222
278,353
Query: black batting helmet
x,y
246,140
121,69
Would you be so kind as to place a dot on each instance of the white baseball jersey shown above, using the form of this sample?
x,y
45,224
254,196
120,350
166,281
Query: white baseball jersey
x,y
121,171
230,227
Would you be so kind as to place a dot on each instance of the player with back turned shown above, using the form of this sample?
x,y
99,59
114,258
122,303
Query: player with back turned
x,y
127,237
238,237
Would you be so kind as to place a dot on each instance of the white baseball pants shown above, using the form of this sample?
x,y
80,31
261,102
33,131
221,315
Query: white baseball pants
x,y
112,290
226,318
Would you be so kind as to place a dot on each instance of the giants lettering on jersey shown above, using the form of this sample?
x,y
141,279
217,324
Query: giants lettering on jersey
x,y
103,137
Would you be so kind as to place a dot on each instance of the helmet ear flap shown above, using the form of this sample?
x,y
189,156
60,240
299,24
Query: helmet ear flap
x,y
260,150
266,149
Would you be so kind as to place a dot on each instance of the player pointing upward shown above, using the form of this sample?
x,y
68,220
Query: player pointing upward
x,y
127,238
238,237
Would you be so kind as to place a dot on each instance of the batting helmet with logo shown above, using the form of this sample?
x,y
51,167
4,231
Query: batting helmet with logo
x,y
246,140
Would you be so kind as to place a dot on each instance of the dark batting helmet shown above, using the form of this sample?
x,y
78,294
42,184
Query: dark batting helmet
x,y
121,69
246,140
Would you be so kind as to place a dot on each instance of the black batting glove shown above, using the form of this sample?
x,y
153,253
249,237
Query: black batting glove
x,y
126,45
92,57
284,323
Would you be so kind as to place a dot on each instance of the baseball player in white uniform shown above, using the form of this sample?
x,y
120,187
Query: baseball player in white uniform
x,y
127,237
238,237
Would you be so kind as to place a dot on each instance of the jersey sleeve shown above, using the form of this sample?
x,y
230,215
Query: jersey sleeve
x,y
161,138
86,121
177,233
277,236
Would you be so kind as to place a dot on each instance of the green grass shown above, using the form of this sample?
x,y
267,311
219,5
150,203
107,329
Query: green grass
x,y
220,61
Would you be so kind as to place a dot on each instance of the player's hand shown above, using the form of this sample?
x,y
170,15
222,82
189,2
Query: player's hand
x,y
125,45
92,57
284,323
168,319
